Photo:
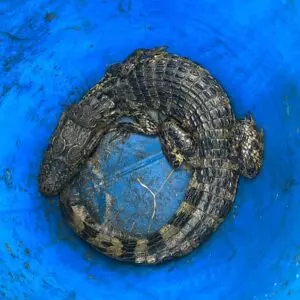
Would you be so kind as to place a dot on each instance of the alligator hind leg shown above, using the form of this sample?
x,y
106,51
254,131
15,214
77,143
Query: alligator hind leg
x,y
144,125
176,143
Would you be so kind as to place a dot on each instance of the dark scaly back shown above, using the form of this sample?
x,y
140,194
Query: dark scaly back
x,y
186,92
168,82
180,89
198,216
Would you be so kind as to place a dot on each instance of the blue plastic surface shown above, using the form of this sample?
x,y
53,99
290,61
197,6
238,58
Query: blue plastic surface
x,y
52,52
129,185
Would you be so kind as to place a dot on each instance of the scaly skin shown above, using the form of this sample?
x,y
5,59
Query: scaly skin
x,y
178,100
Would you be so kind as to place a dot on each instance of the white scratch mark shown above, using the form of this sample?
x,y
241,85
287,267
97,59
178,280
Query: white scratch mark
x,y
154,195
154,200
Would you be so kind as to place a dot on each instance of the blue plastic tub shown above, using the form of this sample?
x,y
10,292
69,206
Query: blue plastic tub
x,y
52,52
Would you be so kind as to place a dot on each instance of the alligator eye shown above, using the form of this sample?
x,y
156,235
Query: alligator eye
x,y
252,171
46,167
75,111
254,144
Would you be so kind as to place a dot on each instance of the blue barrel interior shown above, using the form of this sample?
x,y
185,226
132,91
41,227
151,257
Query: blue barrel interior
x,y
52,52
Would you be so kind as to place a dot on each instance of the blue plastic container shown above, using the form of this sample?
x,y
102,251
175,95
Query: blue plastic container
x,y
52,52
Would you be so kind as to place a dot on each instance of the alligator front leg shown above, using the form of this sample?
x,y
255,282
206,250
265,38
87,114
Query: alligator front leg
x,y
176,143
